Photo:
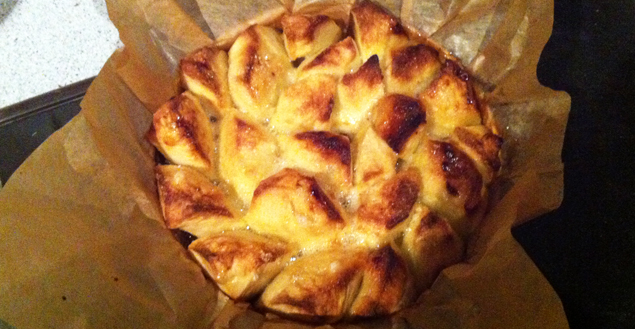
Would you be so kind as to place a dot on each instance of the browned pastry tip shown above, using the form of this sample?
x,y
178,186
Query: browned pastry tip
x,y
305,35
242,263
450,101
189,198
385,286
204,72
396,118
183,133
390,204
376,31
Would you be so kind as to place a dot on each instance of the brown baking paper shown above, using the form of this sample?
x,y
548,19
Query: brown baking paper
x,y
83,244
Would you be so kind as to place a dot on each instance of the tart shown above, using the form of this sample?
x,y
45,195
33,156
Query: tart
x,y
326,176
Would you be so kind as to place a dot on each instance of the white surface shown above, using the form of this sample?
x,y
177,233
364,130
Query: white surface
x,y
48,44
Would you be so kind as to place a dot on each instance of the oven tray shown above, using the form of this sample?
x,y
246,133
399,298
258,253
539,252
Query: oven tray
x,y
25,125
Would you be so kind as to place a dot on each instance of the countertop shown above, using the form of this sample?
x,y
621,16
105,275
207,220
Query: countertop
x,y
51,44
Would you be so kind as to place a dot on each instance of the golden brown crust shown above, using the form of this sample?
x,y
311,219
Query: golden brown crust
x,y
357,93
183,133
323,105
293,206
453,68
248,154
253,60
258,71
391,205
185,201
306,35
385,284
375,160
188,196
376,30
370,16
198,66
333,55
304,185
205,73
242,263
180,111
369,74
450,101
411,69
331,146
319,301
482,145
334,60
407,62
222,252
306,105
247,135
431,245
452,185
324,154
318,286
488,146
396,118
462,179
302,27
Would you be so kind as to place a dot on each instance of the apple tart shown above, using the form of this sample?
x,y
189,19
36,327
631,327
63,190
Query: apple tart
x,y
325,175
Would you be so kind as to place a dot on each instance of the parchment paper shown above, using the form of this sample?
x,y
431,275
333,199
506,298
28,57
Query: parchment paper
x,y
82,241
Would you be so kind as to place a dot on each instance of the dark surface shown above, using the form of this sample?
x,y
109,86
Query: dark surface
x,y
25,125
586,249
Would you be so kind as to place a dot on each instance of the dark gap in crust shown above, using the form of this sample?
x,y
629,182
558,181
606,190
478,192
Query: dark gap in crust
x,y
296,63
184,238
160,159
